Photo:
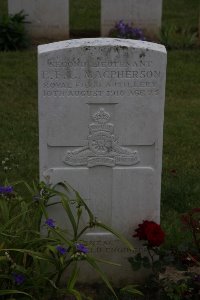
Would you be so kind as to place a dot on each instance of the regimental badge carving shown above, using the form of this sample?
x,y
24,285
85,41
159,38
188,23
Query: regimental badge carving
x,y
103,148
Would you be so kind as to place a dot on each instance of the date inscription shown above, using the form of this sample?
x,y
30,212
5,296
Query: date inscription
x,y
76,79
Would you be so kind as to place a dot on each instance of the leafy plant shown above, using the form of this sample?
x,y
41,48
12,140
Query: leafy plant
x,y
32,264
173,272
13,35
174,37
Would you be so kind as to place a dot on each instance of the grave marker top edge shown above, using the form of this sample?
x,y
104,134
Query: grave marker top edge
x,y
95,42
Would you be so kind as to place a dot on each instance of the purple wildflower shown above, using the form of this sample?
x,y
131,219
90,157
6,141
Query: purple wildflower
x,y
50,223
18,278
82,248
6,189
126,31
121,27
61,250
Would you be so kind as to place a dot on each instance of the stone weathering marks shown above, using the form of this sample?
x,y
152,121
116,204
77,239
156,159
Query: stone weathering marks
x,y
145,14
48,19
101,112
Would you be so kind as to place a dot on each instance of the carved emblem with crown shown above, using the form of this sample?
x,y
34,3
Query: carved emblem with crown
x,y
103,148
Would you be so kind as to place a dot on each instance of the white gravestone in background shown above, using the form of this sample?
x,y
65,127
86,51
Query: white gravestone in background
x,y
101,111
144,14
49,19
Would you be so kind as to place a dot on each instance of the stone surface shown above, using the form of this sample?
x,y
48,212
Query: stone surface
x,y
49,19
101,112
145,14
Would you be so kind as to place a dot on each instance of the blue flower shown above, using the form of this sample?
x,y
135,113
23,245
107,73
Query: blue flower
x,y
50,223
126,31
120,25
6,189
61,250
82,248
18,278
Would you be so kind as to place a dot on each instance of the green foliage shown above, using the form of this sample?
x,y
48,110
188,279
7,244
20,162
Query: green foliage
x,y
13,35
175,273
138,262
174,37
175,290
180,183
33,264
131,290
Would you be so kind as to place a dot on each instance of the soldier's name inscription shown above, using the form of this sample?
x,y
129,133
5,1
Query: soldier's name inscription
x,y
64,77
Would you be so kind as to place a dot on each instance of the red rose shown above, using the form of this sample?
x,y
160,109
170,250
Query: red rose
x,y
141,230
151,232
155,235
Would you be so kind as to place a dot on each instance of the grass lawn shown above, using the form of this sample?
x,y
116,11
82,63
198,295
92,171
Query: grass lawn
x,y
181,167
181,157
181,12
18,113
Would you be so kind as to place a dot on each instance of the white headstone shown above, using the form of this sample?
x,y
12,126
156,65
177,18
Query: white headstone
x,y
144,14
101,111
49,19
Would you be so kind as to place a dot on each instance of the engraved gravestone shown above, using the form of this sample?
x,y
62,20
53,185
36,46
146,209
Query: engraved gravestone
x,y
101,111
145,14
48,19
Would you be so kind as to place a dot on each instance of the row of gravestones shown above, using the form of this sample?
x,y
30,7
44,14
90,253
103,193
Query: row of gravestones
x,y
50,19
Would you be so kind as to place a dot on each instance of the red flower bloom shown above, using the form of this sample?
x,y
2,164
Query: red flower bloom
x,y
141,230
155,235
151,232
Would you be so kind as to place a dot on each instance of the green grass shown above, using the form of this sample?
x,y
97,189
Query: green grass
x,y
181,12
182,123
85,18
181,155
18,112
